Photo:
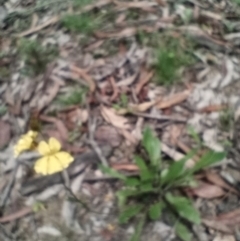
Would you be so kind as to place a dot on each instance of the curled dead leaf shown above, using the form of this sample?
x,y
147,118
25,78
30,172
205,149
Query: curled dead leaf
x,y
208,191
173,99
109,114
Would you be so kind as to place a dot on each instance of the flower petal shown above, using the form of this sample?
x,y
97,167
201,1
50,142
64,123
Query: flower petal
x,y
41,166
25,143
32,134
64,159
54,145
43,148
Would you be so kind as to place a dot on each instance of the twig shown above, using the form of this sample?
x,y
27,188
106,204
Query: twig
x,y
92,127
5,235
160,117
9,187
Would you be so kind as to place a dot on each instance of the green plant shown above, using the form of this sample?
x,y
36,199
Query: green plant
x,y
82,23
36,56
171,55
226,119
123,103
75,97
156,189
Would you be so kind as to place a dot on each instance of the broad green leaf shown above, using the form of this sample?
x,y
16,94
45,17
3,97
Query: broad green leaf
x,y
130,212
173,172
183,232
132,182
208,159
147,187
123,195
113,173
136,236
184,208
145,173
152,146
155,210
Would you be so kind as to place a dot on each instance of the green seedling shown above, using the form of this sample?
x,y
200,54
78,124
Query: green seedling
x,y
74,97
226,120
80,23
36,56
123,103
156,189
171,56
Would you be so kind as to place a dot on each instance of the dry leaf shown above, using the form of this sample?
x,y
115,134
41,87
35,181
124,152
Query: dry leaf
x,y
128,81
208,191
224,238
213,224
63,131
143,5
142,107
78,115
127,32
83,74
125,167
173,100
109,114
51,21
212,108
19,214
5,133
218,180
144,78
108,135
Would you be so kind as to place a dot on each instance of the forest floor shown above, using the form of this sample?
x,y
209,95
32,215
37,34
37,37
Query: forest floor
x,y
112,80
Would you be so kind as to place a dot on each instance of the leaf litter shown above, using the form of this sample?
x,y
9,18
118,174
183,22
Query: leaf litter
x,y
117,66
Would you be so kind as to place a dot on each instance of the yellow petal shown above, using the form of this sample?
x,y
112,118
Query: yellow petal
x,y
53,163
32,134
54,145
64,158
25,143
41,166
43,148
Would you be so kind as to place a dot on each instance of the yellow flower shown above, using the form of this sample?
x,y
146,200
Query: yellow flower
x,y
26,142
53,159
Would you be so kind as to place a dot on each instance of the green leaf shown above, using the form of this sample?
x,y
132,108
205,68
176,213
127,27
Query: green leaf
x,y
208,159
194,135
155,210
145,173
137,234
147,187
132,182
113,173
152,146
184,208
130,212
183,232
173,172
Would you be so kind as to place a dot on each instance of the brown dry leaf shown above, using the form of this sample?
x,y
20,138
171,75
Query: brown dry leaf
x,y
218,180
144,78
142,107
83,74
63,131
173,100
115,89
94,45
19,214
40,102
213,224
127,32
224,238
131,138
78,115
125,167
143,5
226,222
109,135
109,114
212,108
207,191
51,21
128,81
5,133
